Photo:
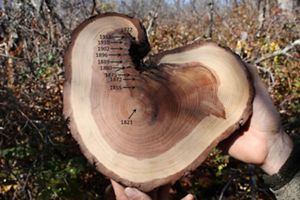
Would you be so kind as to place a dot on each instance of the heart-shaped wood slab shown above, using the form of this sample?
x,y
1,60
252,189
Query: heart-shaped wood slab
x,y
146,122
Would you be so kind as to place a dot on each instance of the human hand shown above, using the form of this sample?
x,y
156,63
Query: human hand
x,y
262,141
161,193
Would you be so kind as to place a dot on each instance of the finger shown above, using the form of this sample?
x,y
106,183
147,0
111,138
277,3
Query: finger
x,y
135,194
119,191
263,107
163,193
225,145
188,197
254,74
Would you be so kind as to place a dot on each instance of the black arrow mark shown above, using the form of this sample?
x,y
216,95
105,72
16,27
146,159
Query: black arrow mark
x,y
115,42
120,68
118,48
115,61
129,79
134,111
117,37
129,87
123,74
118,54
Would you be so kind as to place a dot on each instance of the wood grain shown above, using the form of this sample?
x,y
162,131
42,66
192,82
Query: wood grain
x,y
181,103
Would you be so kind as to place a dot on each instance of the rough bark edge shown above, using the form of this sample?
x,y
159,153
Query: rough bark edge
x,y
150,185
157,57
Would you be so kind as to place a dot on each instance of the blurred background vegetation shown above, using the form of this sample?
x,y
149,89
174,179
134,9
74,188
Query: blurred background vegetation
x,y
38,157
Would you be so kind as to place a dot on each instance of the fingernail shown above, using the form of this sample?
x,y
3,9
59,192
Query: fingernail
x,y
190,197
131,193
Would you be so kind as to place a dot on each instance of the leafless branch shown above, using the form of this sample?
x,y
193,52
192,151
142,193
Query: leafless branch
x,y
268,72
225,188
151,21
6,56
32,30
30,121
129,8
283,51
55,15
230,29
211,18
261,17
94,7
153,17
194,9
198,15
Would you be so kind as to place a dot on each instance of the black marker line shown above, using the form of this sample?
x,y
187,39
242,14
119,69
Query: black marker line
x,y
118,54
134,111
129,79
119,48
117,37
116,42
116,61
123,74
129,87
119,68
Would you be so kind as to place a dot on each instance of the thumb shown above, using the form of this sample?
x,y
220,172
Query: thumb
x,y
188,197
135,194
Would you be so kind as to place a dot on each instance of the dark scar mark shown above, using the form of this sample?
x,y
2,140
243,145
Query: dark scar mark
x,y
197,87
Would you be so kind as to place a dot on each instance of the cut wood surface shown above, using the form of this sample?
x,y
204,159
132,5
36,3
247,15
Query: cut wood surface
x,y
146,122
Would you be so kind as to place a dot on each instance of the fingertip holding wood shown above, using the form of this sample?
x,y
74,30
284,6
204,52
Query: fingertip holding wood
x,y
147,124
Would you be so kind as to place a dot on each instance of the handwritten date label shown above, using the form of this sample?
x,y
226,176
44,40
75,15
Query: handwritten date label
x,y
126,122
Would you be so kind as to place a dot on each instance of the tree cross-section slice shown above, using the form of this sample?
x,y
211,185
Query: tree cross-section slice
x,y
147,122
